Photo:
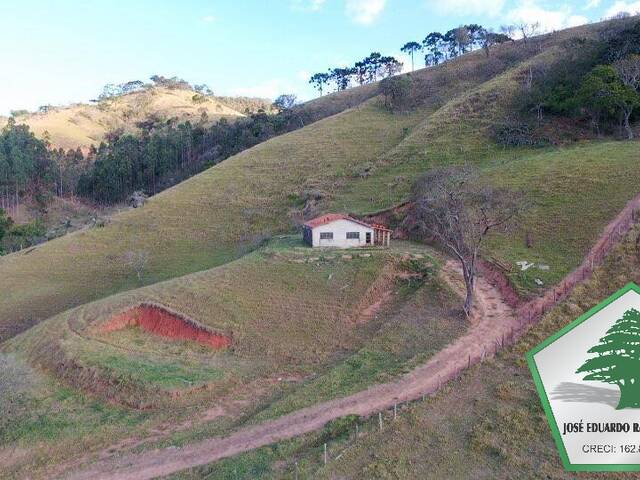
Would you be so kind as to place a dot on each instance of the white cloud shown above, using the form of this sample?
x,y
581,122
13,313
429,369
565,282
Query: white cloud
x,y
303,75
592,4
208,18
364,12
622,6
490,8
529,12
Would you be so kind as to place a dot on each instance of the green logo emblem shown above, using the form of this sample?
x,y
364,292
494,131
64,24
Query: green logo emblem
x,y
588,379
617,359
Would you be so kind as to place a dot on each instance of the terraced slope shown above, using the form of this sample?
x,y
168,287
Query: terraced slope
x,y
303,312
315,329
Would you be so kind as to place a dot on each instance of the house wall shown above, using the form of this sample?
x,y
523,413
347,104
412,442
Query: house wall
x,y
340,229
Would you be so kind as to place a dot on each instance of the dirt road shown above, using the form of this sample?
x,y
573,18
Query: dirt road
x,y
492,321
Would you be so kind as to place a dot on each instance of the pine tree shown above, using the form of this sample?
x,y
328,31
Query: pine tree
x,y
618,359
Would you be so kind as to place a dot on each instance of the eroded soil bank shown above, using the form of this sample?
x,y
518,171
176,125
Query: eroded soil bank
x,y
162,322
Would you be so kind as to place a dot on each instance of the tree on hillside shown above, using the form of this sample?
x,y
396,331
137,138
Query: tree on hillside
x,y
390,66
528,30
138,261
454,207
319,80
396,91
602,94
341,77
5,224
433,43
360,72
476,34
459,40
618,359
410,48
203,89
374,66
489,39
628,94
628,69
508,30
285,101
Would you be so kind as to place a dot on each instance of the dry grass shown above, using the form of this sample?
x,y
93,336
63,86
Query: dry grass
x,y
85,124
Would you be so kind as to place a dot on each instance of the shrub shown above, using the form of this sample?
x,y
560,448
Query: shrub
x,y
396,91
516,134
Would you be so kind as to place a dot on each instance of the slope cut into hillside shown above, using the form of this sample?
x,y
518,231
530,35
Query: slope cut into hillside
x,y
247,332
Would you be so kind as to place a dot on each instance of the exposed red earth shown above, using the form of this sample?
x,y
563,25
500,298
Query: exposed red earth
x,y
160,321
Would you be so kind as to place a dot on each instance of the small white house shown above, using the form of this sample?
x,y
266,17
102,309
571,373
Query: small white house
x,y
341,231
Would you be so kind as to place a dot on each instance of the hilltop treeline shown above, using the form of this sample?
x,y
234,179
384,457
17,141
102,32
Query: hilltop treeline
x,y
112,90
439,47
367,70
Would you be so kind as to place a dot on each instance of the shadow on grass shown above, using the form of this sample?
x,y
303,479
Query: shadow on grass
x,y
577,392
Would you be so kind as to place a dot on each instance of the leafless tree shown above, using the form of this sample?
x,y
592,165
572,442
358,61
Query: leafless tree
x,y
137,260
508,30
456,209
528,30
629,70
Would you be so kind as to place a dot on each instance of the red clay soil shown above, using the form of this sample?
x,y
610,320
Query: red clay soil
x,y
164,323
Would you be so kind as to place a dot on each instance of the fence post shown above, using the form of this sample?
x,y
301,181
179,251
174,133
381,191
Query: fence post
x,y
380,420
325,453
395,411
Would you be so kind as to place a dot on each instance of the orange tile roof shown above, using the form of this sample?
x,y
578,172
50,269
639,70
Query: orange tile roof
x,y
332,217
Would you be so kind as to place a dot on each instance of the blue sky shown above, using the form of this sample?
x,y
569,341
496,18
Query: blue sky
x,y
60,51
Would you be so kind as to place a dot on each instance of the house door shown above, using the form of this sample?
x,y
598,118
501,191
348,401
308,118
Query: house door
x,y
368,238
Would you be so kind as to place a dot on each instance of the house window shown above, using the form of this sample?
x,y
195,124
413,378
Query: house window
x,y
353,235
326,235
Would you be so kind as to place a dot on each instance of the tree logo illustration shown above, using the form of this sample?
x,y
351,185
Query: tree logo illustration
x,y
618,359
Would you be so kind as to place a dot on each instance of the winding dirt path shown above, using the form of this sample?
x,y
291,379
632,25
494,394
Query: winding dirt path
x,y
492,322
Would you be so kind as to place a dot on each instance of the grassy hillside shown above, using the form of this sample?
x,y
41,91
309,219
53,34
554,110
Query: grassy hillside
x,y
261,322
215,216
82,125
